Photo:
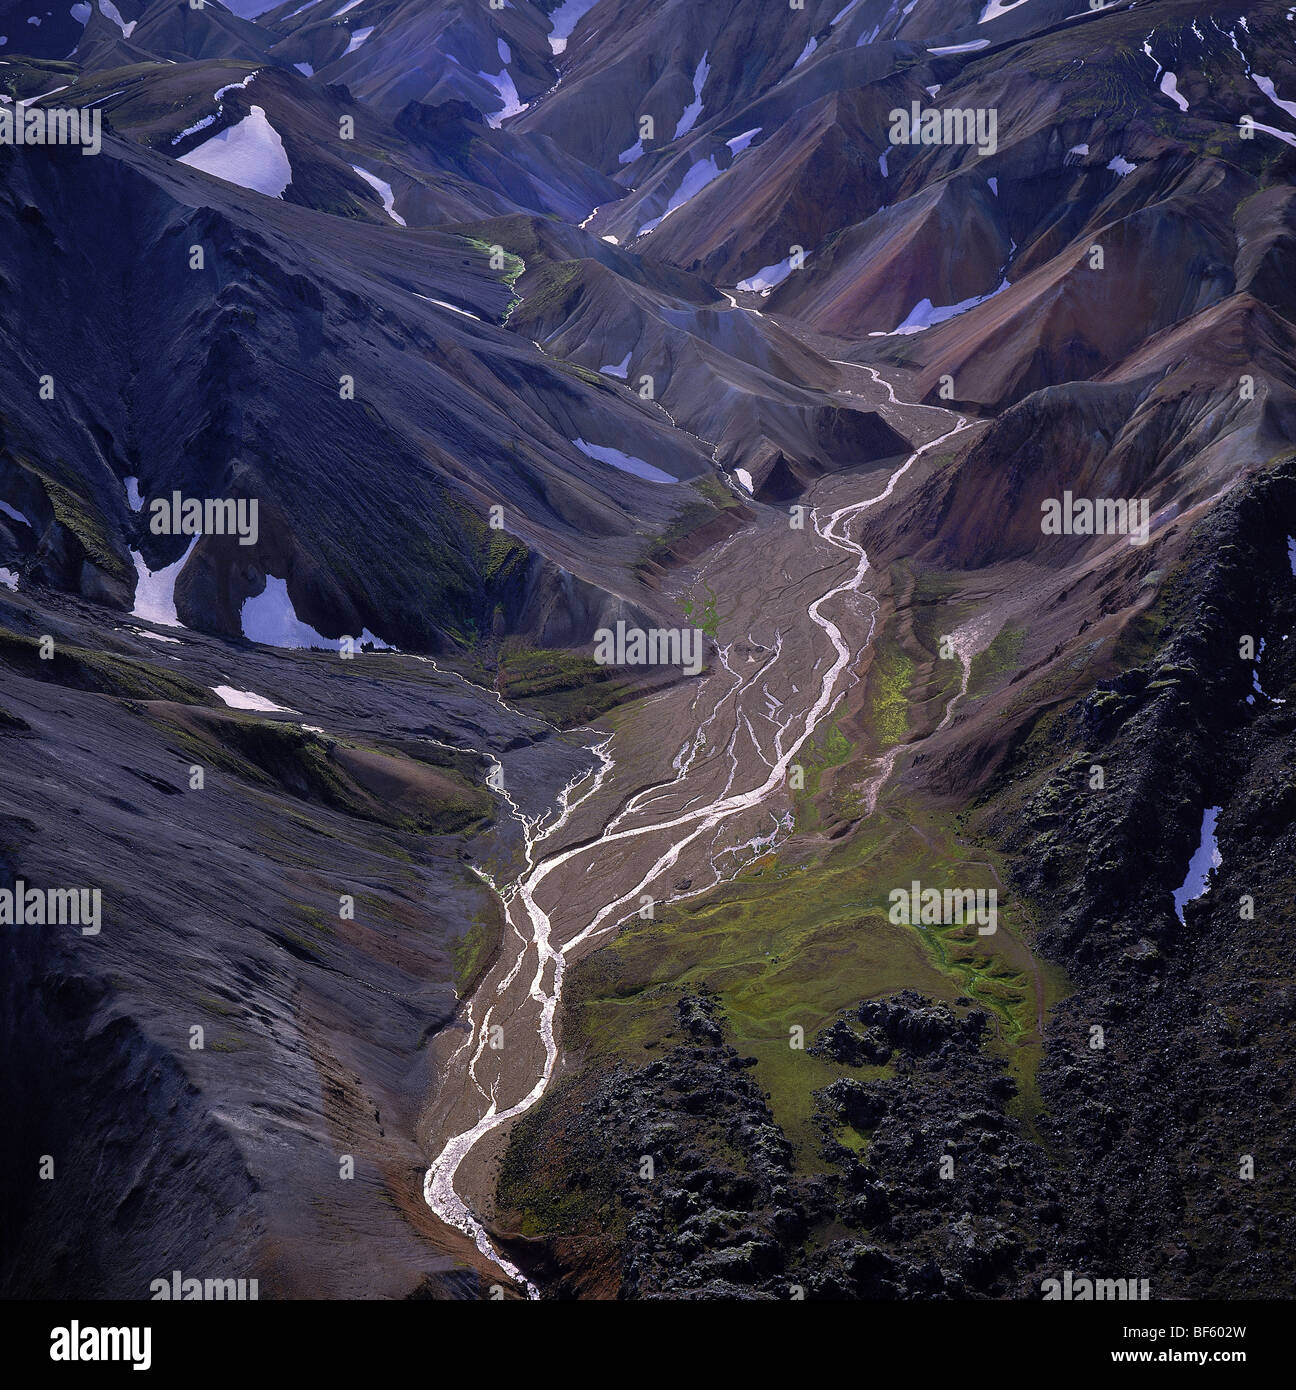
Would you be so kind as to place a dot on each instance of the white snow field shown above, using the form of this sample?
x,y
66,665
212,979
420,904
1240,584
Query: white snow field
x,y
248,699
270,618
384,191
250,154
627,463
155,589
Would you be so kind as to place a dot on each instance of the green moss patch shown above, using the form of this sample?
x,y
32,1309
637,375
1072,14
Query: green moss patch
x,y
102,673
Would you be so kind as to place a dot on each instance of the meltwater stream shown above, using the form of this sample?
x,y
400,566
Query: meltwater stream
x,y
528,923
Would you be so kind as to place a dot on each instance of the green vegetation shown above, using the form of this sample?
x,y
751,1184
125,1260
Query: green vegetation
x,y
998,660
890,679
581,373
1141,637
210,1004
829,749
564,687
932,608
505,556
497,555
102,673
805,933
427,795
82,517
472,952
662,550
793,944
26,78
516,233
583,1204
514,266
548,288
703,613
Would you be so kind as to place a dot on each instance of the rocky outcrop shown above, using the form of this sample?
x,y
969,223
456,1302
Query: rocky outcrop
x,y
941,1192
1168,1028
681,1166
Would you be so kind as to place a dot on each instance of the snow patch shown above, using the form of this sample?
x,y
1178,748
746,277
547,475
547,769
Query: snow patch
x,y
110,11
1267,87
235,86
1170,88
699,175
740,142
9,579
31,101
305,69
806,52
961,47
443,304
358,36
250,154
1118,164
694,109
271,619
697,178
193,129
745,478
16,515
1256,686
621,369
924,315
384,191
133,499
508,94
627,463
999,7
155,589
768,277
247,699
564,20
1246,67
1206,859
1278,134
